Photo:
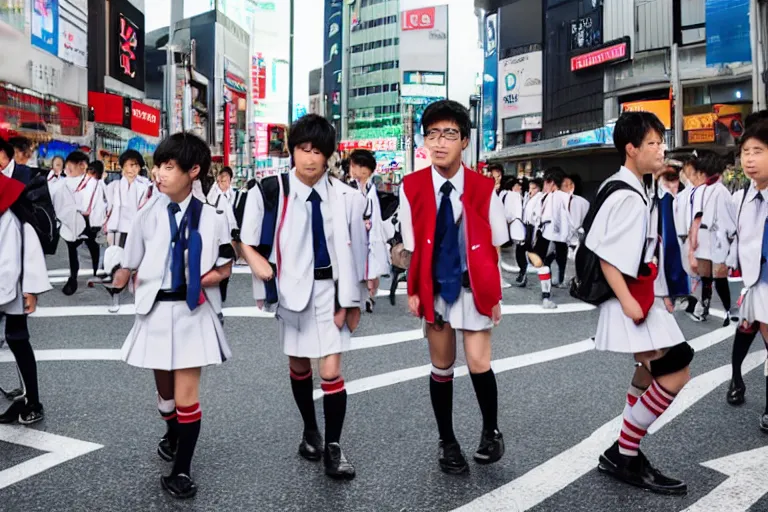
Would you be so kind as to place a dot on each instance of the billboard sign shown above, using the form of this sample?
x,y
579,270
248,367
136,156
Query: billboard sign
x,y
332,57
424,52
727,29
45,25
490,69
520,86
418,19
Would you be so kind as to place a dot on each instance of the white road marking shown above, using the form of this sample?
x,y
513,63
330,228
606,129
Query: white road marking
x,y
60,450
64,272
382,340
499,365
744,487
536,309
560,471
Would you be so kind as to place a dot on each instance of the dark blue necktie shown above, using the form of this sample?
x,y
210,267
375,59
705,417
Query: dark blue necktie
x,y
177,250
322,258
764,252
446,259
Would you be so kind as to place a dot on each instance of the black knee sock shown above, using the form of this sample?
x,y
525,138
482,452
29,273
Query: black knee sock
x,y
724,292
706,290
741,343
93,249
301,385
167,410
522,259
441,393
561,256
223,287
189,419
334,408
487,398
74,263
17,337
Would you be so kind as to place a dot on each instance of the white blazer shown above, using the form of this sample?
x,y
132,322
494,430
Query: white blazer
x,y
66,208
148,250
376,254
20,271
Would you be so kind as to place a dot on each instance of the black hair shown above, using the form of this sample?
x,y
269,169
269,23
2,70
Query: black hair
x,y
538,182
524,183
555,175
313,129
755,117
227,170
96,168
508,182
496,167
77,157
23,144
578,184
6,148
129,155
447,110
708,162
363,158
187,150
757,130
632,127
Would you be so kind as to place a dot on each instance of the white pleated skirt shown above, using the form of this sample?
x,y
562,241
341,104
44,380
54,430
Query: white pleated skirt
x,y
754,304
312,332
463,313
171,337
616,332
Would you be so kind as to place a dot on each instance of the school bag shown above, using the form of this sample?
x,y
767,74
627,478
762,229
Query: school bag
x,y
35,207
240,200
590,285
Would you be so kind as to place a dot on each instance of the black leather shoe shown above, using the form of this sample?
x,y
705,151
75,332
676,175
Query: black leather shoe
x,y
491,447
31,413
71,287
12,413
311,447
521,281
336,464
764,422
13,394
639,472
451,460
179,486
166,448
735,395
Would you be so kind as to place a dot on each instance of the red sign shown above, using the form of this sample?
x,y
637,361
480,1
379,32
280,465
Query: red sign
x,y
145,119
258,77
605,55
107,108
128,41
418,19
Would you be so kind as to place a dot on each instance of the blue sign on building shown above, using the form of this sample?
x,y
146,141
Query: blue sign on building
x,y
727,26
490,70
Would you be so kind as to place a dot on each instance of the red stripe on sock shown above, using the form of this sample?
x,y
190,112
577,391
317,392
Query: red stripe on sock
x,y
442,378
663,392
167,416
333,386
189,413
300,376
650,405
633,441
657,400
635,430
631,399
627,446
545,277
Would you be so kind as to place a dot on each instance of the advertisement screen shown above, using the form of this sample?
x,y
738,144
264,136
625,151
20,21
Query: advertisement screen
x,y
424,52
270,58
332,56
520,86
490,68
45,25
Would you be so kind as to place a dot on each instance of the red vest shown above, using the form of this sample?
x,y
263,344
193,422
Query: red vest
x,y
482,257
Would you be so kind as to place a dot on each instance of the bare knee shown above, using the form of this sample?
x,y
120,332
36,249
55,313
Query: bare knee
x,y
300,365
330,367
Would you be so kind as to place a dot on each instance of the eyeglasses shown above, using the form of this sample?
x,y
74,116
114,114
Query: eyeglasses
x,y
448,134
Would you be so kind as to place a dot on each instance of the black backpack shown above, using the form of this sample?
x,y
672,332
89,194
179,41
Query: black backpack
x,y
590,285
35,207
270,191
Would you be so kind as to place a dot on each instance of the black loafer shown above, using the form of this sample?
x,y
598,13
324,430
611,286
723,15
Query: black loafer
x,y
166,448
31,413
71,287
179,486
639,472
336,464
764,422
491,447
451,460
735,394
311,447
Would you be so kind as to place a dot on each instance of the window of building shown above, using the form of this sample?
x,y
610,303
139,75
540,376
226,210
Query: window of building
x,y
395,87
385,88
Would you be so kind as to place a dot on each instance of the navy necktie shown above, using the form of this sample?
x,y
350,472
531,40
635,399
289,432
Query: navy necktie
x,y
764,252
322,258
446,259
177,251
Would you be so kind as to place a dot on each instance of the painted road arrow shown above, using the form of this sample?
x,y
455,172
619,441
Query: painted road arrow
x,y
745,485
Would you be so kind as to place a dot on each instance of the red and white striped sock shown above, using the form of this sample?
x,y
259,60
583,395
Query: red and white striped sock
x,y
545,279
641,416
189,414
633,395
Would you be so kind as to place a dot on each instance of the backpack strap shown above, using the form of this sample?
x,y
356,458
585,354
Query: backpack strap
x,y
270,192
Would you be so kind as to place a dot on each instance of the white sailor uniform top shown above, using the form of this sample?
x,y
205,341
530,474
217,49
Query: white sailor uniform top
x,y
718,223
22,264
622,228
556,224
750,250
377,255
124,200
167,335
306,303
513,211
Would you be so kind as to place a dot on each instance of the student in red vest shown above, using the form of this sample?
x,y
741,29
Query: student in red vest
x,y
453,223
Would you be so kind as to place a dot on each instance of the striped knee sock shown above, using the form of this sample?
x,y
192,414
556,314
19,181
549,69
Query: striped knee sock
x,y
441,394
545,279
650,406
335,408
301,385
633,394
189,418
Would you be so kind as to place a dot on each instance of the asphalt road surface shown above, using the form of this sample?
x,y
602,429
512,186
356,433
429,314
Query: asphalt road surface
x,y
559,403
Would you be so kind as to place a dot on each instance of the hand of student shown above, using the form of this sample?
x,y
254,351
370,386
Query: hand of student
x,y
339,317
373,287
30,303
496,314
121,278
260,303
353,318
632,309
413,304
694,263
670,305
